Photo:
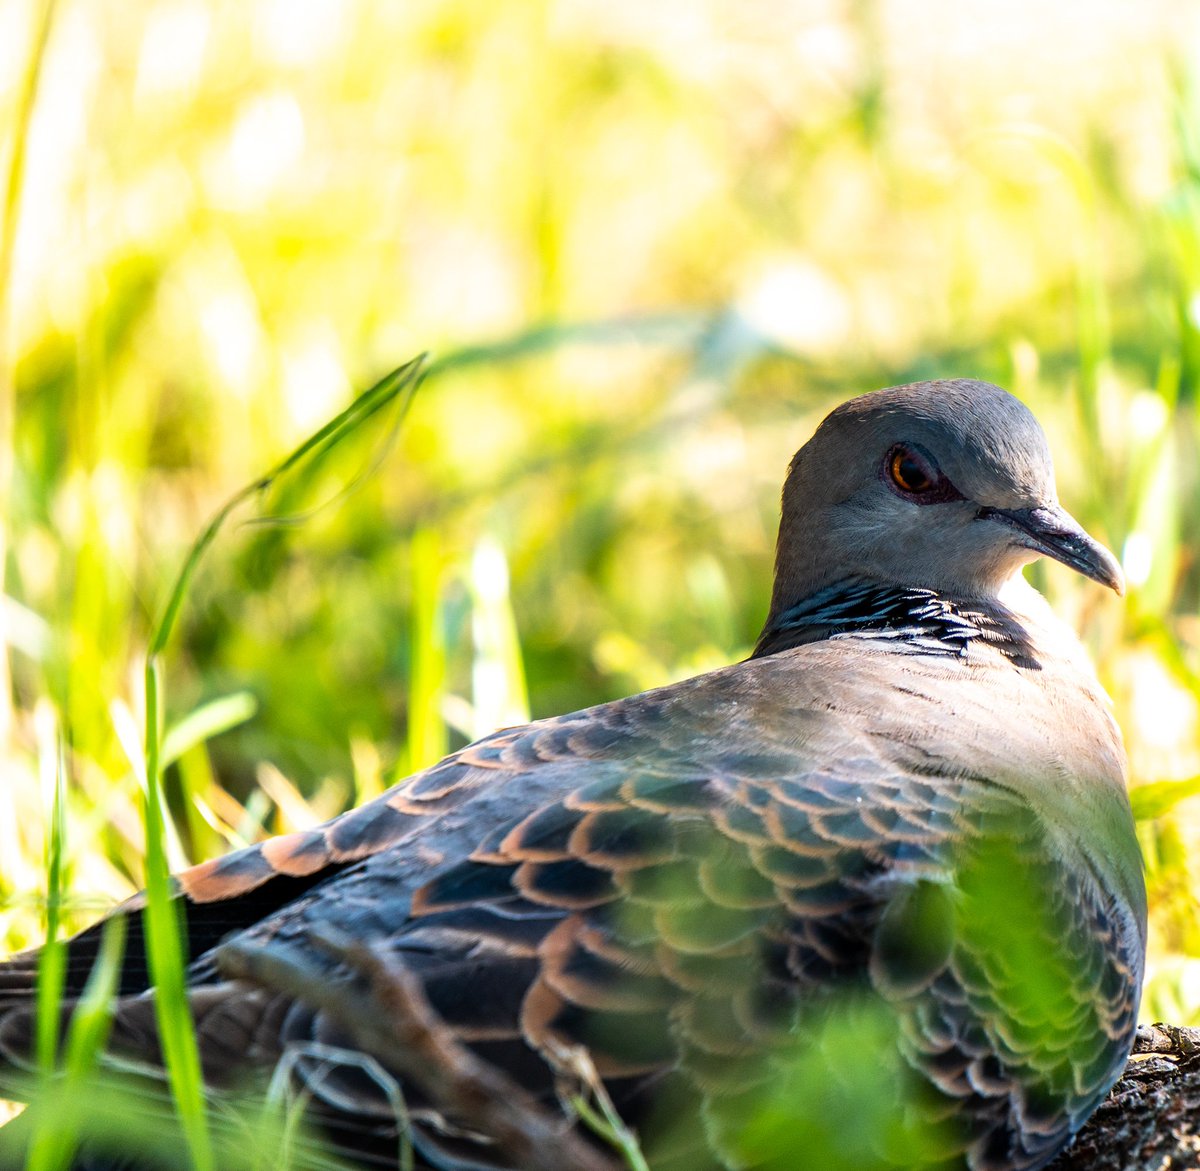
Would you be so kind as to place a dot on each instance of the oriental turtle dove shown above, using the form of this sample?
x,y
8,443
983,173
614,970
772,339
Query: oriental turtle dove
x,y
910,798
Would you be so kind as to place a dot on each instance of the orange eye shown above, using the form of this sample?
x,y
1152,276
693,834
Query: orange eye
x,y
910,471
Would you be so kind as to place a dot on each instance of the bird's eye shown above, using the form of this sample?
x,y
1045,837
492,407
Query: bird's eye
x,y
910,471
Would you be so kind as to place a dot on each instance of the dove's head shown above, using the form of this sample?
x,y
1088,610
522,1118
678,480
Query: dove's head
x,y
943,485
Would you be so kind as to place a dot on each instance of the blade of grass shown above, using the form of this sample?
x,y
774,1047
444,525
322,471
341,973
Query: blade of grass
x,y
661,328
58,1132
13,183
165,949
92,1016
1159,797
51,970
208,720
405,378
47,1152
164,938
185,744
427,740
499,695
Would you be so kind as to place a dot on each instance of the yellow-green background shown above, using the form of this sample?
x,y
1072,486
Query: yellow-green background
x,y
653,243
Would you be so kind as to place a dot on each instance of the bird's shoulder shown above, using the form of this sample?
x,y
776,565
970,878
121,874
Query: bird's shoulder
x,y
798,717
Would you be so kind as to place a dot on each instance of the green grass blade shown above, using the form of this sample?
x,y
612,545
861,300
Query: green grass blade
x,y
51,969
14,181
1159,797
205,722
184,744
499,694
426,741
404,378
47,1151
58,1133
92,1018
164,941
165,949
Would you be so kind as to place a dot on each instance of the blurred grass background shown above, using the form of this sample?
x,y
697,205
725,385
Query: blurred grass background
x,y
648,245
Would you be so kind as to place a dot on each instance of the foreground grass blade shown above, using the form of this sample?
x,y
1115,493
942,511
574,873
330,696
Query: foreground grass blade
x,y
47,1151
427,740
10,209
58,1132
164,937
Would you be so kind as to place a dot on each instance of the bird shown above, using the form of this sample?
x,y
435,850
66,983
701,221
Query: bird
x,y
896,838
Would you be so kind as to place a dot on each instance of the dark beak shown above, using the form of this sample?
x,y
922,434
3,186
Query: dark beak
x,y
1055,533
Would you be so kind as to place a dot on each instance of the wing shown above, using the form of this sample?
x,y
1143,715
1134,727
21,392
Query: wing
x,y
680,928
678,882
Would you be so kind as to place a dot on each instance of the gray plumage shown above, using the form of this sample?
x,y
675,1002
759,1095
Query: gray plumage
x,y
913,791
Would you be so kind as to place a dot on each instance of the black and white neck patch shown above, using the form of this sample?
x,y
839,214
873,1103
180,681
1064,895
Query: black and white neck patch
x,y
919,620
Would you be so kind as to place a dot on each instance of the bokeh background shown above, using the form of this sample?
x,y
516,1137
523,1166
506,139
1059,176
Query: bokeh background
x,y
647,245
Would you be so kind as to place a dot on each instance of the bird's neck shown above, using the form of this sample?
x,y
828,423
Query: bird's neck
x,y
908,617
